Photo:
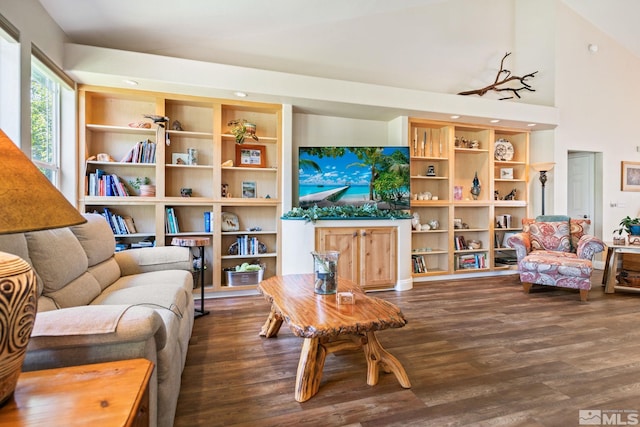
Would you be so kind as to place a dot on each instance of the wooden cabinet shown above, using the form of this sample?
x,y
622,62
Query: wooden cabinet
x,y
191,160
457,231
368,256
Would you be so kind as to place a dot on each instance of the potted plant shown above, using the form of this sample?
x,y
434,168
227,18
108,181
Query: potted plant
x,y
240,128
144,186
629,225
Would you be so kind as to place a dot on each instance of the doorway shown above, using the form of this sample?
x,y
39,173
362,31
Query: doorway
x,y
584,188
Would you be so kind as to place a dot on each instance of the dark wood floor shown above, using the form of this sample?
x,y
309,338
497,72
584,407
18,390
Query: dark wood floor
x,y
477,352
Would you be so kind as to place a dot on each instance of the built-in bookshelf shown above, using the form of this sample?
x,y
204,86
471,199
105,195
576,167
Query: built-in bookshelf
x,y
455,230
167,164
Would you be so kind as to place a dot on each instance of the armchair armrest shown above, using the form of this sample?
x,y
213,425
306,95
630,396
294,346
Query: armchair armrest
x,y
139,332
521,243
588,246
135,261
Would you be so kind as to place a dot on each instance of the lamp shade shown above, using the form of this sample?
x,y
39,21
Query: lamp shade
x,y
28,201
543,166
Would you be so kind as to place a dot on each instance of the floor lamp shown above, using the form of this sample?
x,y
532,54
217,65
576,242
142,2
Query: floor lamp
x,y
28,202
543,168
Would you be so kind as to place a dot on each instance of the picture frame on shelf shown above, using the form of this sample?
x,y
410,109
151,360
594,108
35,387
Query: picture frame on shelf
x,y
505,236
179,158
249,190
506,173
250,156
630,176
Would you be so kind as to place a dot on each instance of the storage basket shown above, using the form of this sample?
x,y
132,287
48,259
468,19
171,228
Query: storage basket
x,y
244,278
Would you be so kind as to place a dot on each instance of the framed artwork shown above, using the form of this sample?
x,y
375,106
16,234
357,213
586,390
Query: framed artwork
x,y
630,176
506,173
250,156
249,190
506,236
180,158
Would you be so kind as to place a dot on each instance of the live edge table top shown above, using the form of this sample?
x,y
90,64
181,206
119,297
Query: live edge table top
x,y
311,315
329,327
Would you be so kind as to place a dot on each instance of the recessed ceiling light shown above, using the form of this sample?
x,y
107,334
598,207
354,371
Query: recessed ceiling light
x,y
495,121
531,125
240,94
455,117
131,82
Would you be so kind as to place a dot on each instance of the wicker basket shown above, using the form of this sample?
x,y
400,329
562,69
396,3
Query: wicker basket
x,y
629,278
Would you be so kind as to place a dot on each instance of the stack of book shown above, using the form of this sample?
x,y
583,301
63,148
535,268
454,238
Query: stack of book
x,y
419,266
119,224
142,152
171,221
464,262
104,184
248,245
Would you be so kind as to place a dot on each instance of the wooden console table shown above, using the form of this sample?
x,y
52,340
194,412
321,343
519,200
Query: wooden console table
x,y
611,266
327,327
104,394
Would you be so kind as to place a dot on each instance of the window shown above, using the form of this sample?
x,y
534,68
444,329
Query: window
x,y
45,121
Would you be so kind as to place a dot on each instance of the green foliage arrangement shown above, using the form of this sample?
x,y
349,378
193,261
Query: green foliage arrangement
x,y
369,210
625,225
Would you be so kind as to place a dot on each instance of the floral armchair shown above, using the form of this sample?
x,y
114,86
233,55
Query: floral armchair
x,y
557,251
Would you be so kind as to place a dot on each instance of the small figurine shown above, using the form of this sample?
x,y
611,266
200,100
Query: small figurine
x,y
475,189
176,125
511,196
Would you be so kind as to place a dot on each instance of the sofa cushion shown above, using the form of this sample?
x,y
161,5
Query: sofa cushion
x,y
551,236
80,291
58,258
106,272
96,238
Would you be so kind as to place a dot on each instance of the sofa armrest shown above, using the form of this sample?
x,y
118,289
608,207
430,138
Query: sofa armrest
x,y
588,246
139,332
521,243
135,261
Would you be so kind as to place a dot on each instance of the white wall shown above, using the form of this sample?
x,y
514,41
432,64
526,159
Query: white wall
x,y
599,100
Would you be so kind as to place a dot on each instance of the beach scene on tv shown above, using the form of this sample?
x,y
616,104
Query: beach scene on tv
x,y
330,176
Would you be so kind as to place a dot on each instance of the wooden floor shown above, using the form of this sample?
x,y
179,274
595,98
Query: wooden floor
x,y
477,352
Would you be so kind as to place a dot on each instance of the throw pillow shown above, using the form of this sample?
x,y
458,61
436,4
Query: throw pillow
x,y
551,236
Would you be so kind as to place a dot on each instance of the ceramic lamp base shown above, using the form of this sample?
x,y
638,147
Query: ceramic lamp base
x,y
17,316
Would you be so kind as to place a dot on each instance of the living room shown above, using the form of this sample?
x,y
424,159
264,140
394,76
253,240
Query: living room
x,y
584,99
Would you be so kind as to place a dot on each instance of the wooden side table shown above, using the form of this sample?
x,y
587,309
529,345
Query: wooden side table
x,y
200,243
103,394
611,266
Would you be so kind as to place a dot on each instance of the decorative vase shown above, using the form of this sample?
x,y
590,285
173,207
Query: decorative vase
x,y
147,190
18,301
326,272
475,188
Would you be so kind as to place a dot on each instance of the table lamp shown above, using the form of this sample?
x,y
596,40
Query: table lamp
x,y
543,168
28,202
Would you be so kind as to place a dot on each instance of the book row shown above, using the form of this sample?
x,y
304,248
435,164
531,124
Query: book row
x,y
104,184
142,152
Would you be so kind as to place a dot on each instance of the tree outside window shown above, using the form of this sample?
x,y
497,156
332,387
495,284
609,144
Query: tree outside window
x,y
45,117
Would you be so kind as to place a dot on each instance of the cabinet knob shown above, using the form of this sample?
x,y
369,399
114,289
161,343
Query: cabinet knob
x,y
355,234
364,233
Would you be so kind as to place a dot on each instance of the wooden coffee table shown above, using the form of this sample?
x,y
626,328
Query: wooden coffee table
x,y
327,327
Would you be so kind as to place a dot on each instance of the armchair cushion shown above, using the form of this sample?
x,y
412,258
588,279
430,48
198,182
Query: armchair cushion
x,y
551,236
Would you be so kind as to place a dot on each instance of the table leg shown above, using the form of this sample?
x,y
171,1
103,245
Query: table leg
x,y
201,312
310,367
611,276
605,275
378,357
272,325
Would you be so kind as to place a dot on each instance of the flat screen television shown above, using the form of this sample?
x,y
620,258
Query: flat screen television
x,y
329,176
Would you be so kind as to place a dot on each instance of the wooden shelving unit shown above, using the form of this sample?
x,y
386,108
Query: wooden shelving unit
x,y
445,159
104,118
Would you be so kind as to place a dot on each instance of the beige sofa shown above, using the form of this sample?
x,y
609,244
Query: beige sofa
x,y
95,305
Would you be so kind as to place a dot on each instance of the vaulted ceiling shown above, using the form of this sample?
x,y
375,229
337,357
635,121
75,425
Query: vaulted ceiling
x,y
373,41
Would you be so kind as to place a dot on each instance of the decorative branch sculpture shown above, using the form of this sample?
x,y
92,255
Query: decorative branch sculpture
x,y
506,78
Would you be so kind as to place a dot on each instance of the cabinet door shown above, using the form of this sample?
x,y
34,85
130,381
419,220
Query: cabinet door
x,y
378,253
345,241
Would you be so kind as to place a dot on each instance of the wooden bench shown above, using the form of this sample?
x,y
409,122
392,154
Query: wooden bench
x,y
327,327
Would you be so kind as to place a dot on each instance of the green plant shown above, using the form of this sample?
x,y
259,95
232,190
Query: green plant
x,y
136,183
239,129
368,210
625,225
